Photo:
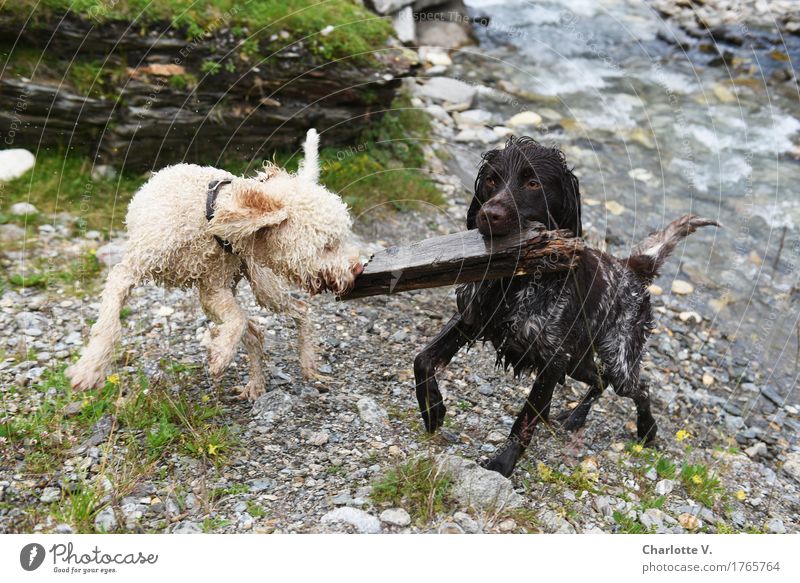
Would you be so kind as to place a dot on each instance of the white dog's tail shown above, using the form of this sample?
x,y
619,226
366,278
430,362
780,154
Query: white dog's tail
x,y
90,371
309,168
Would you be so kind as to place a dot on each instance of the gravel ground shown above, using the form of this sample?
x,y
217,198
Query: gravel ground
x,y
317,456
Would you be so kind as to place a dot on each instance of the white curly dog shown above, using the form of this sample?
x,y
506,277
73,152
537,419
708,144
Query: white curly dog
x,y
193,226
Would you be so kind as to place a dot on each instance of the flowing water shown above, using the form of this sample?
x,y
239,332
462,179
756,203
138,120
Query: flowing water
x,y
657,128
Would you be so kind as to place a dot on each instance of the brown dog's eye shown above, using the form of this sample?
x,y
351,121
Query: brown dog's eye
x,y
533,185
490,182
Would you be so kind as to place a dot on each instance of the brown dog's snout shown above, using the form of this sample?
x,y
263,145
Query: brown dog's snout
x,y
493,220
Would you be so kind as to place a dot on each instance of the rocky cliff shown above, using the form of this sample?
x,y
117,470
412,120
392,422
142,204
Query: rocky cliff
x,y
138,95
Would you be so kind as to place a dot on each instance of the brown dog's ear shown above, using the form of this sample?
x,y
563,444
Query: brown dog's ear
x,y
248,210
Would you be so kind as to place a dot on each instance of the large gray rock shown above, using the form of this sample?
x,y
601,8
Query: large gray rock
x,y
477,487
396,517
446,25
446,89
362,521
14,163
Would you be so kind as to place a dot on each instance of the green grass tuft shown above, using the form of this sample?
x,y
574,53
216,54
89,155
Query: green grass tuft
x,y
419,486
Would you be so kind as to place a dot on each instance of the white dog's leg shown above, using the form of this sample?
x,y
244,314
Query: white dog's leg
x,y
90,370
220,305
253,341
272,294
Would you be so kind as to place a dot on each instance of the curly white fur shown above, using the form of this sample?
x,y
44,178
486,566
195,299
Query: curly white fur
x,y
284,228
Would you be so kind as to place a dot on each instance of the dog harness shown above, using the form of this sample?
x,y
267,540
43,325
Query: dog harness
x,y
211,200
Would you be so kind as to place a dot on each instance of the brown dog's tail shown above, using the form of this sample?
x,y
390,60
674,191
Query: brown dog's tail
x,y
649,255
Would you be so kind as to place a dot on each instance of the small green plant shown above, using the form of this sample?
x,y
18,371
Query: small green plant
x,y
419,486
701,484
211,67
665,468
255,510
628,525
213,524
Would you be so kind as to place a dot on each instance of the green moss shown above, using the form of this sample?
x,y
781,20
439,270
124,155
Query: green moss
x,y
357,30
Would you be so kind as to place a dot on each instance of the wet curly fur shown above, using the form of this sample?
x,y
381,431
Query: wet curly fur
x,y
591,323
284,229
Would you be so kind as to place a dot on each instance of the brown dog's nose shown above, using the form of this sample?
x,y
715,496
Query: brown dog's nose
x,y
492,221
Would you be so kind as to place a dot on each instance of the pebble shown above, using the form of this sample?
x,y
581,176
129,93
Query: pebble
x,y
187,527
272,406
776,526
681,287
363,522
106,520
759,449
664,487
395,517
450,528
371,412
688,521
319,438
525,118
50,494
467,522
22,209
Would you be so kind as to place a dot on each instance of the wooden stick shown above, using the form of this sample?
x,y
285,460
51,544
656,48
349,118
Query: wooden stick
x,y
465,257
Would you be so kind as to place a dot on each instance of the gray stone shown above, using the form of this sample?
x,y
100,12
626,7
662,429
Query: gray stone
x,y
480,135
404,27
390,6
371,412
63,529
664,487
362,521
50,494
652,518
554,523
446,89
467,522
22,209
10,232
104,172
776,526
472,118
110,254
396,517
448,527
651,474
603,506
15,162
272,407
792,465
106,520
30,321
758,449
477,487
261,484
187,527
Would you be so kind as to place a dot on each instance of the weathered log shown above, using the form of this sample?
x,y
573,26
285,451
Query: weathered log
x,y
465,257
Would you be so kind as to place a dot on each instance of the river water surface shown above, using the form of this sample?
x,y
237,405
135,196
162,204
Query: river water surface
x,y
657,125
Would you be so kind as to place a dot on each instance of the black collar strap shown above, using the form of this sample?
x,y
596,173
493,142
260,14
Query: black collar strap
x,y
211,199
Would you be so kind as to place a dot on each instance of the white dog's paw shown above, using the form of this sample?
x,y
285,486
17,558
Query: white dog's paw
x,y
252,391
83,378
219,358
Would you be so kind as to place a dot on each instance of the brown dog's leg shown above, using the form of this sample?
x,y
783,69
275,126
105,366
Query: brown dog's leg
x,y
437,354
536,408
